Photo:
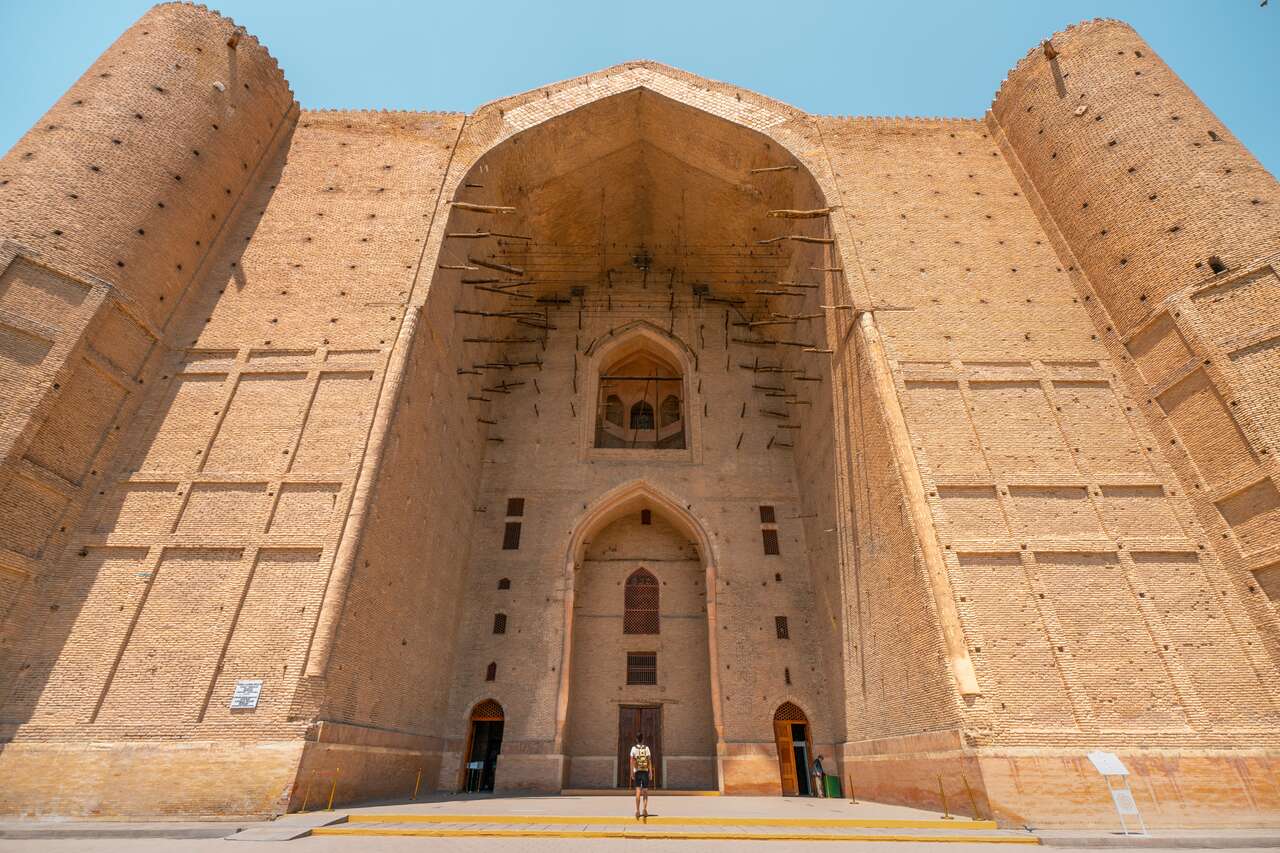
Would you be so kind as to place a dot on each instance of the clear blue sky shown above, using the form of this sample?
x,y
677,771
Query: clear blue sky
x,y
892,57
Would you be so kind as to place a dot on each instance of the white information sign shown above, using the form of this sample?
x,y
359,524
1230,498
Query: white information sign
x,y
1123,798
1111,767
247,692
1108,764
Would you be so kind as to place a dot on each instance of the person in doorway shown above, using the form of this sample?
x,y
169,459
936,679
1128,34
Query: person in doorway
x,y
641,767
819,778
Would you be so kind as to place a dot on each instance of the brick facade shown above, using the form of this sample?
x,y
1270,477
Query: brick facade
x,y
272,378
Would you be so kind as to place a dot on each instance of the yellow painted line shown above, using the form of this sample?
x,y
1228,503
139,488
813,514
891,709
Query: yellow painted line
x,y
626,792
616,820
671,835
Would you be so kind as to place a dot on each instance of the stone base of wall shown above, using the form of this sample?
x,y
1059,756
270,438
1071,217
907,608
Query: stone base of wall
x,y
113,778
358,764
1061,789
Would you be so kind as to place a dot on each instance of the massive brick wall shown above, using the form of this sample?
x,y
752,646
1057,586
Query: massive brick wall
x,y
242,462
250,418
1169,224
110,205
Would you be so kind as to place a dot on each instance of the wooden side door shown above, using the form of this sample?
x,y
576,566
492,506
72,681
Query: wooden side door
x,y
786,757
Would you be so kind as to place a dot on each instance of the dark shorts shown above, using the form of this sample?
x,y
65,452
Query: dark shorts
x,y
642,778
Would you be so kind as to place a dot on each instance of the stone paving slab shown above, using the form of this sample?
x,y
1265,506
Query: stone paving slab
x,y
1164,839
69,828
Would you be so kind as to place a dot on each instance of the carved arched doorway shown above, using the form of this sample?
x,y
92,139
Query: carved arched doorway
x,y
795,748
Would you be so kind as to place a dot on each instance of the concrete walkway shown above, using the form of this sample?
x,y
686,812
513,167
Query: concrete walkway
x,y
558,824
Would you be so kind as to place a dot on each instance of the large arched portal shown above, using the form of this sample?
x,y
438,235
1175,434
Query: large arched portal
x,y
633,289
639,644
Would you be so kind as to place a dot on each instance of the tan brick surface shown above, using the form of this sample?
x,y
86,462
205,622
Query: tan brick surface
x,y
261,420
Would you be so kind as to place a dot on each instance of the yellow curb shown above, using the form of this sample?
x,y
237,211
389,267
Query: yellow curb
x,y
626,792
615,820
676,836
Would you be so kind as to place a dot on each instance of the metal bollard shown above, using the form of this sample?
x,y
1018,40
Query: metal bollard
x,y
946,812
853,797
334,788
417,783
973,802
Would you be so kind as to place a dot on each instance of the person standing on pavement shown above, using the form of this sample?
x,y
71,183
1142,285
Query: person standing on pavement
x,y
641,767
819,778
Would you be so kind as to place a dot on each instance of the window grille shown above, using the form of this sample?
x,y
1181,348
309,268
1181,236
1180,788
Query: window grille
x,y
640,604
788,712
487,710
515,506
499,623
767,515
511,536
642,668
780,623
770,537
786,674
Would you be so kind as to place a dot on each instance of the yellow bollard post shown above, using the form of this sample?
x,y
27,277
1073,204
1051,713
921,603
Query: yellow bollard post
x,y
417,783
942,792
306,798
853,797
973,802
334,788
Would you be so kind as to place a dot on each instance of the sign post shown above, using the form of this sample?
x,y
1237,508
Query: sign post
x,y
1110,766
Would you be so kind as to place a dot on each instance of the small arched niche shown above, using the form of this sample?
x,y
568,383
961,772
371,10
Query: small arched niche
x,y
641,399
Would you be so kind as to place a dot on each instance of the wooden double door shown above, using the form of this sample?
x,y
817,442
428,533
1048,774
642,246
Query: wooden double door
x,y
647,720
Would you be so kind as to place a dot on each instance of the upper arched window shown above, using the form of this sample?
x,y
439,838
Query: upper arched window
x,y
613,410
641,415
641,399
640,604
670,411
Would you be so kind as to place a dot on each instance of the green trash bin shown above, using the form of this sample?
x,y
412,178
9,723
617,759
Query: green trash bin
x,y
833,786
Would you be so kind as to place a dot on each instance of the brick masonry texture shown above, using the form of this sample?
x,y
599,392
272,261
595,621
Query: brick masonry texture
x,y
268,394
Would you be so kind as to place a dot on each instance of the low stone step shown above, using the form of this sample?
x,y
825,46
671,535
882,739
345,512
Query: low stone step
x,y
954,825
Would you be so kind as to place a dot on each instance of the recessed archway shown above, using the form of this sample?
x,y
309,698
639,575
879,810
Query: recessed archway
x,y
641,583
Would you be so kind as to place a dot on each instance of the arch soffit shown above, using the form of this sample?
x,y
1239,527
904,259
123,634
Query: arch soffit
x,y
749,110
630,497
603,348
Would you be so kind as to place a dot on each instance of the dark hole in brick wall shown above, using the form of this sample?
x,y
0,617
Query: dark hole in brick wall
x,y
504,583
646,517
1216,264
491,672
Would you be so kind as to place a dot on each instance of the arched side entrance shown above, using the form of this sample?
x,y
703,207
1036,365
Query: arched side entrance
x,y
484,743
792,734
639,610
